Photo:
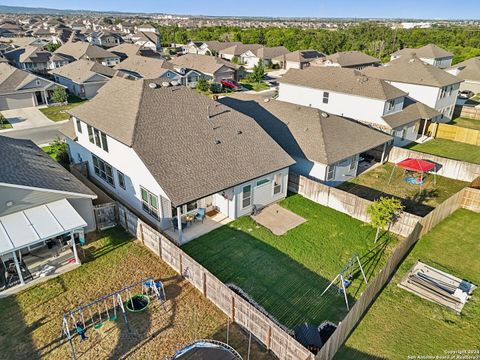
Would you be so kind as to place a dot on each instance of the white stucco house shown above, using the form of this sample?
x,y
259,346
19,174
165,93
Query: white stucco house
x,y
423,82
430,54
349,93
168,152
326,147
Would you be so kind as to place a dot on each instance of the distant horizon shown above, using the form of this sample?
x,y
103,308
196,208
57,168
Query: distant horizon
x,y
347,9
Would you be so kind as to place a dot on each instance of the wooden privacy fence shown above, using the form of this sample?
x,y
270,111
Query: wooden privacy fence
x,y
470,112
453,169
455,133
345,202
468,198
235,307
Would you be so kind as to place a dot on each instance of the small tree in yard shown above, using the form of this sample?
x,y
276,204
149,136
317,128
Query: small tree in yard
x,y
59,95
258,72
383,212
59,151
202,85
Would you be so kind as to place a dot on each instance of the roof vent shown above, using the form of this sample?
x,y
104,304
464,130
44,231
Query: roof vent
x,y
324,114
66,178
239,132
217,142
165,84
152,85
266,100
174,83
9,203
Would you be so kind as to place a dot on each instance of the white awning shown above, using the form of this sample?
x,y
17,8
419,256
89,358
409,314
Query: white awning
x,y
34,225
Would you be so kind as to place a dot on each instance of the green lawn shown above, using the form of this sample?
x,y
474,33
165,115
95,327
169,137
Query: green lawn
x,y
31,319
286,274
58,113
375,183
466,123
4,124
450,149
401,324
254,86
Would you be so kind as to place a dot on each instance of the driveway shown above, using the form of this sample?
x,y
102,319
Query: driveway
x,y
26,118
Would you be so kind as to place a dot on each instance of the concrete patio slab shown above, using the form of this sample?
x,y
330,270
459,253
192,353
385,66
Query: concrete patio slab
x,y
278,219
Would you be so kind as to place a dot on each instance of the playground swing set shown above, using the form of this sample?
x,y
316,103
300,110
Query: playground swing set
x,y
346,276
99,311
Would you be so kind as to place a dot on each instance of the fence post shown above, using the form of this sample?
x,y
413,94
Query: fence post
x,y
269,337
180,263
126,220
141,234
232,308
204,284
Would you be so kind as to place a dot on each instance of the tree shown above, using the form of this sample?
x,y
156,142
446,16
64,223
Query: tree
x,y
58,150
51,47
258,72
59,95
383,212
235,60
202,85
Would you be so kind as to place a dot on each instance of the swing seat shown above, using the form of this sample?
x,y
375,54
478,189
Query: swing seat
x,y
113,318
98,326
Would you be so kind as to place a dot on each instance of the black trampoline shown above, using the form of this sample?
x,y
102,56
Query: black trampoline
x,y
207,350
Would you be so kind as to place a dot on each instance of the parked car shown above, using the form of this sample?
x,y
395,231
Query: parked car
x,y
466,94
227,83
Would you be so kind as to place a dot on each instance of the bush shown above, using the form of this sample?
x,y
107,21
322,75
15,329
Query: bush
x,y
59,150
202,85
59,95
51,47
216,87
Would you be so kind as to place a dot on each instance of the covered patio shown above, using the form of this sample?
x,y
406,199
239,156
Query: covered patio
x,y
38,242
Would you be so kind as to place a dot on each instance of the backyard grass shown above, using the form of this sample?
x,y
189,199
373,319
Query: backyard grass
x,y
286,274
450,149
400,323
260,86
31,319
58,113
374,183
466,123
4,124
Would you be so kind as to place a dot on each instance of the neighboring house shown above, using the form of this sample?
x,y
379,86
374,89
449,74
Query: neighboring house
x,y
423,82
126,50
10,30
430,54
105,39
348,59
83,78
146,28
469,72
210,67
138,67
208,47
235,51
326,147
83,50
20,88
299,59
252,56
35,59
43,207
150,40
167,151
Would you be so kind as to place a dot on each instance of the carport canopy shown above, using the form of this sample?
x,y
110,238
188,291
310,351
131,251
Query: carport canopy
x,y
31,226
418,165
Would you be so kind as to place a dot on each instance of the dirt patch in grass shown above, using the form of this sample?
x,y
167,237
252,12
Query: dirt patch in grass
x,y
31,320
375,183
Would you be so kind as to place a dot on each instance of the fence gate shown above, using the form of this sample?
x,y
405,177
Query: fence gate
x,y
105,215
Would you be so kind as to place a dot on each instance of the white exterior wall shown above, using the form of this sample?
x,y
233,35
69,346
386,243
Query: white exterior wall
x,y
410,134
84,207
343,170
352,106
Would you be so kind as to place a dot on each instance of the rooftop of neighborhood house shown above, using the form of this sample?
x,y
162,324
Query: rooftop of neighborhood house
x,y
428,51
13,79
79,49
126,50
468,69
412,71
412,111
270,52
307,132
206,64
219,45
342,80
211,149
81,70
300,56
146,36
147,67
351,58
239,49
24,164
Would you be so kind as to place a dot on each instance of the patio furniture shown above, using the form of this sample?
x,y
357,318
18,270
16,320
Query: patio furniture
x,y
200,215
175,223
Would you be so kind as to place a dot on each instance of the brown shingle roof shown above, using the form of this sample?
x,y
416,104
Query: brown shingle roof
x,y
81,70
192,145
304,132
469,69
239,49
352,58
428,51
79,49
12,79
206,64
342,80
412,71
412,111
147,67
301,56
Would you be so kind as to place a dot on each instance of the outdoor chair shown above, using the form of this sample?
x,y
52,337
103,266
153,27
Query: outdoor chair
x,y
175,224
200,215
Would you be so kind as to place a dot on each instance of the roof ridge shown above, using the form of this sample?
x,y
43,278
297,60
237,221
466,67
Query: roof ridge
x,y
137,114
320,119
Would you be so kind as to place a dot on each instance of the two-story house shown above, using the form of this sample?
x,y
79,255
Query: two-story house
x,y
469,72
298,59
83,50
208,47
104,39
349,93
348,59
35,59
423,82
252,57
170,153
429,54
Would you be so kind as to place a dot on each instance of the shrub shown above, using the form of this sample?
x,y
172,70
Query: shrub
x,y
215,87
202,85
59,95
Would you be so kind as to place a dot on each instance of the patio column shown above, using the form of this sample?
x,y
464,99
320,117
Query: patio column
x,y
17,266
382,160
45,96
74,247
425,127
179,221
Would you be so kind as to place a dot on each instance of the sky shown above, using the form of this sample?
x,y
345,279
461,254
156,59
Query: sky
x,y
426,9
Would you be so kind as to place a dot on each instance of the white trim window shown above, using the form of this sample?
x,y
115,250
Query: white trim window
x,y
149,202
97,137
246,196
121,179
353,163
277,184
103,170
79,126
326,96
330,172
390,105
